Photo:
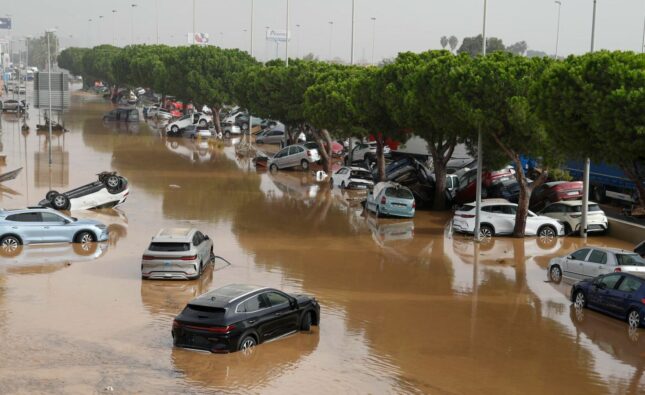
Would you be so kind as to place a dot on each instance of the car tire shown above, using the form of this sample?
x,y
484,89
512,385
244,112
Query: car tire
x,y
60,202
555,274
113,184
304,164
305,324
227,134
84,237
547,231
247,343
203,123
486,231
579,300
273,168
634,318
50,195
10,245
174,129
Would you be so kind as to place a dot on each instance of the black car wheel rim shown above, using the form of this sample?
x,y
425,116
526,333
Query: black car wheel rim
x,y
580,300
634,319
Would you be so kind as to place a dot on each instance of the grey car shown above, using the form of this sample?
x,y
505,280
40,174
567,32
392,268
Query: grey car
x,y
590,262
293,156
44,225
274,136
177,254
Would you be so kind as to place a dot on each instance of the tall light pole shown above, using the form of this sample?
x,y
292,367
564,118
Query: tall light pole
x,y
194,17
297,41
99,30
351,56
89,33
27,44
331,33
587,168
643,42
114,27
286,45
480,151
252,17
373,36
157,18
557,34
266,42
132,7
49,81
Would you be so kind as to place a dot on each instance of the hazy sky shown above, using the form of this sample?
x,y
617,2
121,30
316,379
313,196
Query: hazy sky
x,y
401,25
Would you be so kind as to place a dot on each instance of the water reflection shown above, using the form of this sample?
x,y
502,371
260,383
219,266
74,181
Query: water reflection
x,y
45,254
114,218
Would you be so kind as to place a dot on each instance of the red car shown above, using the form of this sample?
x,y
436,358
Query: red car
x,y
555,191
468,183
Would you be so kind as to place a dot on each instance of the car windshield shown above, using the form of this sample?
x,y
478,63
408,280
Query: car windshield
x,y
363,175
400,193
630,260
466,207
169,247
592,208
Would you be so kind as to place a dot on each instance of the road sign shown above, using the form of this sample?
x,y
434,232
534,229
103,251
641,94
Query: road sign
x,y
278,35
5,23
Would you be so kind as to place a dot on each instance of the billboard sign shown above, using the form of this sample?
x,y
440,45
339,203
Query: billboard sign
x,y
5,23
198,38
278,35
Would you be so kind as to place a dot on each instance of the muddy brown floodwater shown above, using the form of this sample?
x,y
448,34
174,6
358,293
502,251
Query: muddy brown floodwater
x,y
406,306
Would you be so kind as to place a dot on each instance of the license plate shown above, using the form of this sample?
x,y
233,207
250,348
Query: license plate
x,y
167,263
361,186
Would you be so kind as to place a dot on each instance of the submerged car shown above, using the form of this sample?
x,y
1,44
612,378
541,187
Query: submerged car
x,y
352,178
122,115
44,225
498,218
238,317
569,213
389,198
197,118
590,262
109,191
177,254
293,156
620,295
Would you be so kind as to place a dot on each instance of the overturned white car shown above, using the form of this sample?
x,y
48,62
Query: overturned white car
x,y
110,190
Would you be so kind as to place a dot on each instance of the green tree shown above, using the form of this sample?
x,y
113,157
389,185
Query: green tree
x,y
473,45
519,48
496,88
71,59
443,41
593,105
38,50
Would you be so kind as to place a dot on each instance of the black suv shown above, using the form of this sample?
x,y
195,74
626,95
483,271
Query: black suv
x,y
237,317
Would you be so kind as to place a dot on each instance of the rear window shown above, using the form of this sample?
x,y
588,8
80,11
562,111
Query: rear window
x,y
169,247
363,175
400,193
466,207
578,209
206,309
630,260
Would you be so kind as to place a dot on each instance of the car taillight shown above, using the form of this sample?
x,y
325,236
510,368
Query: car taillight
x,y
148,258
309,154
383,200
175,324
617,270
188,258
643,301
221,329
414,204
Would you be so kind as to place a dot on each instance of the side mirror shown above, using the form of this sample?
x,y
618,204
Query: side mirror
x,y
293,303
206,237
569,256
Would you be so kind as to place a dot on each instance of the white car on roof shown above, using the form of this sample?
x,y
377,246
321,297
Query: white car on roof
x,y
569,213
590,262
352,178
197,118
177,254
498,218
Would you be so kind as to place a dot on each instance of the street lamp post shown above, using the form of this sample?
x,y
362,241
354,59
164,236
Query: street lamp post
x,y
331,33
252,16
132,7
286,42
351,56
373,36
89,33
114,27
480,153
643,42
194,17
157,19
49,81
99,30
557,34
297,41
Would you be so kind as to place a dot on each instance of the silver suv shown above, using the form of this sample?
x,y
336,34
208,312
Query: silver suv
x,y
177,254
292,156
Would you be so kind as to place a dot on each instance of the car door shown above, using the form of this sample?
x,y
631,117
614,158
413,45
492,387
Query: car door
x,y
618,299
285,315
292,157
280,158
54,229
258,315
595,264
574,263
27,226
599,291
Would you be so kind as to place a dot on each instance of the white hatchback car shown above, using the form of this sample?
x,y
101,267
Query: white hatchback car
x,y
352,178
569,213
197,118
177,254
498,218
590,262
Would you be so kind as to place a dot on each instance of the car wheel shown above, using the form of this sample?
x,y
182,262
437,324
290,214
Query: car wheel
x,y
84,237
9,245
305,164
273,168
555,274
634,319
227,134
203,123
580,300
305,325
174,129
113,183
50,195
247,343
547,233
486,231
245,126
60,202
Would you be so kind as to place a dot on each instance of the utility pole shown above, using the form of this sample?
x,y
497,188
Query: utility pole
x,y
480,154
114,27
252,6
286,46
132,7
157,18
373,36
194,17
351,57
557,34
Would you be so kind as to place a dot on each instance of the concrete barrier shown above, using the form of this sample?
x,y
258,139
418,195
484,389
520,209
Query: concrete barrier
x,y
627,231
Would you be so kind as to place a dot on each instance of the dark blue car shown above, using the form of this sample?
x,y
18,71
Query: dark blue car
x,y
621,295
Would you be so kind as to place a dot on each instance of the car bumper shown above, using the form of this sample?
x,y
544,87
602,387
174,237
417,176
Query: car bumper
x,y
203,340
169,270
461,226
397,212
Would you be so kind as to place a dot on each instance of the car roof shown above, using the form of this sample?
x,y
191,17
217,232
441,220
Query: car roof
x,y
493,202
27,210
173,235
611,249
357,168
222,297
572,202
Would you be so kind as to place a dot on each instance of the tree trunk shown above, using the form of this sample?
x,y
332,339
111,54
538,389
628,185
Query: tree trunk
x,y
525,195
380,157
216,119
632,174
323,139
441,154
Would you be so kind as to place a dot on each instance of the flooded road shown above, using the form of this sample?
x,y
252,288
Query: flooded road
x,y
407,307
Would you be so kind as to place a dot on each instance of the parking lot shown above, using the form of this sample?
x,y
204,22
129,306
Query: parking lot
x,y
407,307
